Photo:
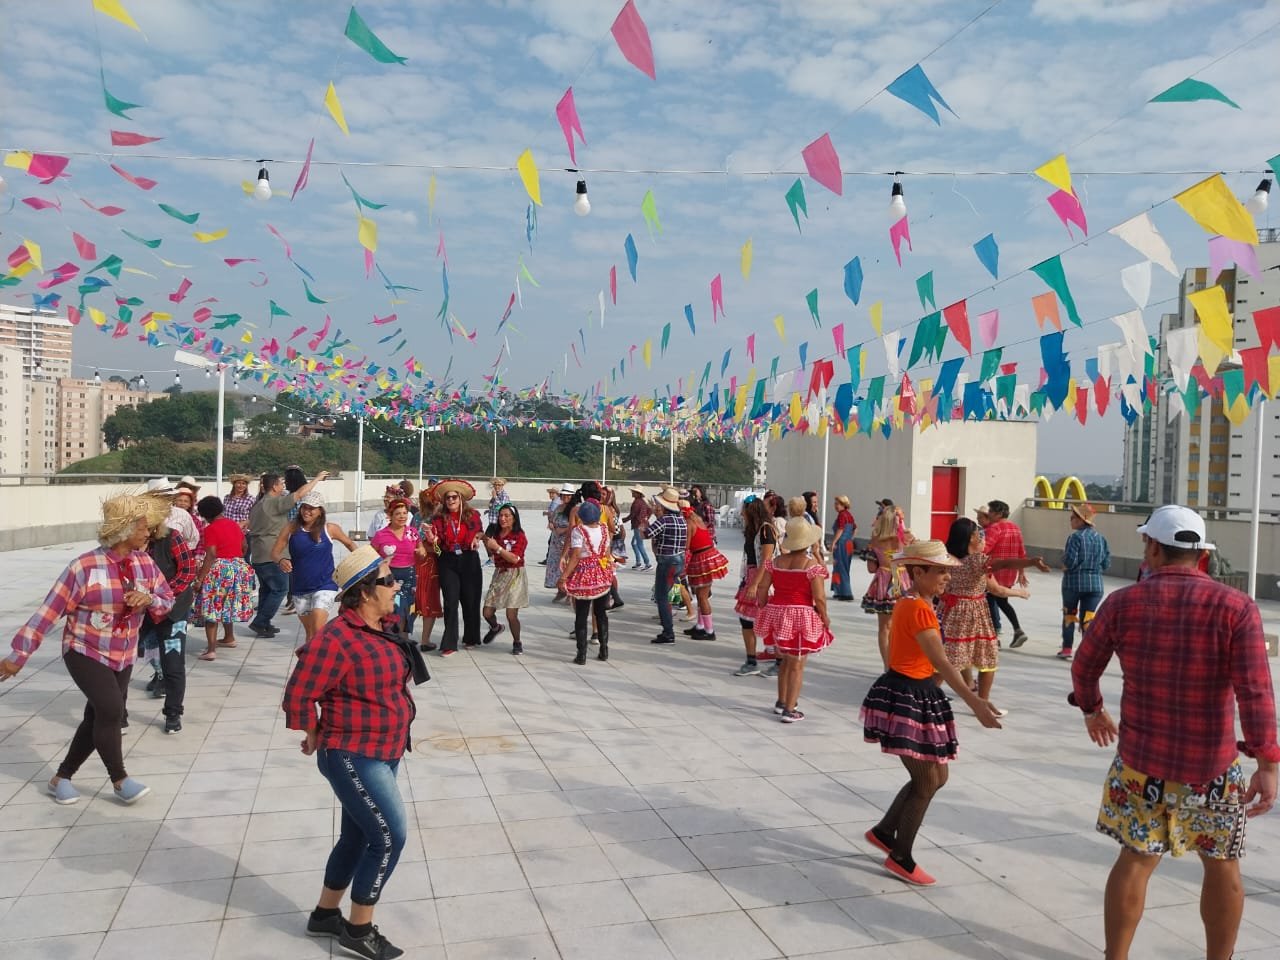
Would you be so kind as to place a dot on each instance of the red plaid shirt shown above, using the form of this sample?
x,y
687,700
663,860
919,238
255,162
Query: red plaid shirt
x,y
1004,541
1190,649
359,681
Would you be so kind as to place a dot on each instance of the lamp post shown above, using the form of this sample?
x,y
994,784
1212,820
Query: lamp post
x,y
359,467
604,454
422,446
189,359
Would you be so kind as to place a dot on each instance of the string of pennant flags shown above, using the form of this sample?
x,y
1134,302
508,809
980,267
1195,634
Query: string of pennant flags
x,y
362,370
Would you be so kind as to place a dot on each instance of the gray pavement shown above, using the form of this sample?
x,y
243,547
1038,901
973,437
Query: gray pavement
x,y
648,807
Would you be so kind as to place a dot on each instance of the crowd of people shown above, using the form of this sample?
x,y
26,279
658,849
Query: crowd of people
x,y
169,559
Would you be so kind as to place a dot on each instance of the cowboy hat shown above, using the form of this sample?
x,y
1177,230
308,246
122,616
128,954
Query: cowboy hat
x,y
1085,512
452,485
800,535
668,499
568,490
313,499
188,483
157,487
159,509
982,511
638,492
926,553
239,478
119,514
497,482
355,566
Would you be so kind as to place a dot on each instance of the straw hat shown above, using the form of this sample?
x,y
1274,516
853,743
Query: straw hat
x,y
982,511
188,483
239,478
497,482
119,513
926,552
158,508
157,487
638,492
668,499
568,490
313,499
800,535
1085,512
355,566
452,485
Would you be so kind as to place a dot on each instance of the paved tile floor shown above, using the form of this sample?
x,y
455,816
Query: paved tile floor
x,y
650,807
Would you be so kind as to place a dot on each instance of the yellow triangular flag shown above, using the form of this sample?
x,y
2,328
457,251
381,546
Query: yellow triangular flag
x,y
1215,316
1238,411
179,266
161,316
1069,403
822,427
19,159
210,237
98,317
22,269
1273,376
648,353
796,411
1056,172
33,249
529,176
140,273
334,106
740,402
368,234
246,337
431,198
746,260
877,318
1211,204
781,327
116,11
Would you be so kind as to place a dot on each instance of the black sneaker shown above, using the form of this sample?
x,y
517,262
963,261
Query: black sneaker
x,y
517,648
663,638
705,636
695,632
328,927
1019,638
157,680
372,945
617,605
157,692
492,632
172,724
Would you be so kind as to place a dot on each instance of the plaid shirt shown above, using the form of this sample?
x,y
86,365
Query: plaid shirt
x,y
1004,541
1084,558
670,535
359,681
237,508
90,594
1190,649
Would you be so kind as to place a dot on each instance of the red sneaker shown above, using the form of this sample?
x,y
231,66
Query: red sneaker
x,y
876,842
916,876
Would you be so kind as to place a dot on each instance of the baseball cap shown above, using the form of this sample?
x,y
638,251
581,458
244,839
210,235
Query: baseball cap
x,y
589,511
1176,526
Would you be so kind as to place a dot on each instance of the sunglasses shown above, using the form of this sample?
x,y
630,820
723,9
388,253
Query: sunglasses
x,y
452,496
386,580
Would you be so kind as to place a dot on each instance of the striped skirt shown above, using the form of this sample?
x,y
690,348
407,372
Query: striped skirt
x,y
909,718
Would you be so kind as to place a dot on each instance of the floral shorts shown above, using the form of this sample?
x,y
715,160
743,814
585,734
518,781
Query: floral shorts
x,y
1153,816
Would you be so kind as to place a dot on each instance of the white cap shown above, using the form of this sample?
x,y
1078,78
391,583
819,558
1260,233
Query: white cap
x,y
1176,526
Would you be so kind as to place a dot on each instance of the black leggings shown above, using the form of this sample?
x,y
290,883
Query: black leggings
x,y
105,690
171,653
1006,608
902,820
581,608
460,581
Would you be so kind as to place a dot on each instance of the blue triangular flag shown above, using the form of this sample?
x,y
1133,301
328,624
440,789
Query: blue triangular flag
x,y
688,315
853,280
632,256
988,252
914,87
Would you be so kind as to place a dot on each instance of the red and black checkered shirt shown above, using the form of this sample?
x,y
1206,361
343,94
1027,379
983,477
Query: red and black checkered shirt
x,y
1190,649
356,682
1003,541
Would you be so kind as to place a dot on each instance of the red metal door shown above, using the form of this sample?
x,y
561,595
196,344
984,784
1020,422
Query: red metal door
x,y
945,502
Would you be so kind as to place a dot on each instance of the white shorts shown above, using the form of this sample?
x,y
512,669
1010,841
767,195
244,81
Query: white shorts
x,y
304,603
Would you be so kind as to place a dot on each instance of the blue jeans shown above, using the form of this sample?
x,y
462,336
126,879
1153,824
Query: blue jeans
x,y
408,578
667,570
1078,606
373,823
273,587
841,558
637,547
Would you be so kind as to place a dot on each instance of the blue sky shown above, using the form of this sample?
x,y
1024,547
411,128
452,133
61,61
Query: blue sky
x,y
741,88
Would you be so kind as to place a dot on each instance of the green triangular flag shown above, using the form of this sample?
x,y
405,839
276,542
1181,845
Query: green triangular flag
x,y
178,214
1005,387
666,335
146,243
1274,164
115,104
990,364
939,339
1188,90
112,265
854,356
1191,397
311,296
360,201
773,369
1051,272
649,210
926,336
795,202
706,375
811,298
364,38
277,311
924,287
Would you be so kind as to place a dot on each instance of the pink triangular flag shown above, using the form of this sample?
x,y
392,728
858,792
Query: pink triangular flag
x,y
823,164
717,297
84,247
1067,207
567,114
897,233
304,177
989,327
613,283
751,348
47,167
441,251
142,183
122,138
957,317
181,293
837,334
1224,250
632,37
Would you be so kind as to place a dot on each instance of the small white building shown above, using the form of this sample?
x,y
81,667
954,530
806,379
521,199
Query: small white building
x,y
935,475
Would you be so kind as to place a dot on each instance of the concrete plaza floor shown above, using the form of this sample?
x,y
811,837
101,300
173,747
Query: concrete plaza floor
x,y
648,807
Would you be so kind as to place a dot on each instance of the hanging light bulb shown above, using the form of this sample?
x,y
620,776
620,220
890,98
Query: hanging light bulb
x,y
582,205
263,190
39,371
897,202
1257,204
97,379
3,186
142,382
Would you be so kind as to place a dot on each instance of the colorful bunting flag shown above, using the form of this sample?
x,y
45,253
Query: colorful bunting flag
x,y
897,233
823,164
988,252
1189,90
115,105
364,38
796,202
116,11
1211,204
1051,272
746,260
811,299
853,280
633,256
913,87
334,106
632,37
924,290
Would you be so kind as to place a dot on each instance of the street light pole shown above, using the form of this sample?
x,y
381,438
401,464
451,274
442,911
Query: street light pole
x,y
222,400
359,467
495,451
422,445
604,455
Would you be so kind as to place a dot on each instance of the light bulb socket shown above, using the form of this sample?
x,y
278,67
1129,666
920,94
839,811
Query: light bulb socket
x,y
581,189
263,175
1264,186
897,190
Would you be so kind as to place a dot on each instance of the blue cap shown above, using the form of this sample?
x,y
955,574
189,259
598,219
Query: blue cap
x,y
589,511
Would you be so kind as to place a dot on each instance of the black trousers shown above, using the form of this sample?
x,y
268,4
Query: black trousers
x,y
105,691
169,639
582,609
461,580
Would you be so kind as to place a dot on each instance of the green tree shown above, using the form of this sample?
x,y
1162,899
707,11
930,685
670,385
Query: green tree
x,y
122,427
719,461
268,425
